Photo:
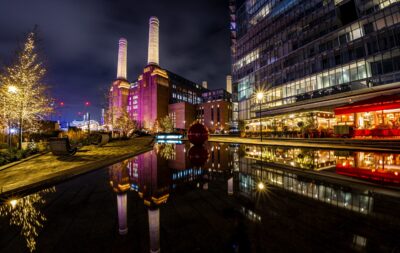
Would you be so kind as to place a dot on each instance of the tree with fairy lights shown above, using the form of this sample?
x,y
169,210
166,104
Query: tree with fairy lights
x,y
125,124
25,97
167,124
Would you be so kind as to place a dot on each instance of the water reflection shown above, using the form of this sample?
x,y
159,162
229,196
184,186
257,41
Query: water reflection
x,y
357,201
153,175
242,192
157,174
25,213
373,166
382,167
304,158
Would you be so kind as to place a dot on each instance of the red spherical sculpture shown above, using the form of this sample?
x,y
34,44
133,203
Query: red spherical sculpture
x,y
197,134
198,156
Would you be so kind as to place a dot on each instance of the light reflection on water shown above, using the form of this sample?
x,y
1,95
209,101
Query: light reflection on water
x,y
244,174
25,213
158,175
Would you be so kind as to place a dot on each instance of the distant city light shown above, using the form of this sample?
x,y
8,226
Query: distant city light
x,y
87,103
13,130
61,103
261,186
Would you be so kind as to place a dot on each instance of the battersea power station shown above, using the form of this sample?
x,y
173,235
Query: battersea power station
x,y
158,92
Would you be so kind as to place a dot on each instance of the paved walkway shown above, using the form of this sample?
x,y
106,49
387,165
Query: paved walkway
x,y
48,169
308,144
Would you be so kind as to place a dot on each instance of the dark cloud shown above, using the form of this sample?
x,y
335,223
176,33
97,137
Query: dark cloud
x,y
79,40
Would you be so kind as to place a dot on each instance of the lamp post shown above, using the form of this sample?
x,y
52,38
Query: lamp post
x,y
4,118
87,104
14,90
260,96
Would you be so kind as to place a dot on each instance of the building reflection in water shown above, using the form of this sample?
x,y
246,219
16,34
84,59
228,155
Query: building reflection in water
x,y
381,167
303,158
25,213
252,170
120,183
357,201
373,166
157,174
154,174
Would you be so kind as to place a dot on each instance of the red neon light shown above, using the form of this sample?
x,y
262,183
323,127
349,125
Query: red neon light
x,y
377,132
373,104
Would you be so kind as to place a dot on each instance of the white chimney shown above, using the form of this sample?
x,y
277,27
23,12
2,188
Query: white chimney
x,y
154,229
122,213
122,59
204,84
153,41
229,84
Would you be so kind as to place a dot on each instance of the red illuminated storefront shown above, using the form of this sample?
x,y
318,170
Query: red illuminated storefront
x,y
375,117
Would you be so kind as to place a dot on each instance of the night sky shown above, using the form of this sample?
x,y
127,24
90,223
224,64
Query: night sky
x,y
79,42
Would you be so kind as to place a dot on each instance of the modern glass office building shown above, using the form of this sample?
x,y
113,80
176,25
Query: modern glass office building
x,y
311,56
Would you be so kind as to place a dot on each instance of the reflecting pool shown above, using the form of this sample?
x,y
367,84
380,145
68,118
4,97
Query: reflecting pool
x,y
220,197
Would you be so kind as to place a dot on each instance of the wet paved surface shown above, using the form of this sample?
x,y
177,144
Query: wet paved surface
x,y
48,166
211,205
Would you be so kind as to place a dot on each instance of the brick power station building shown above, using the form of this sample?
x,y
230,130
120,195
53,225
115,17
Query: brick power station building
x,y
158,92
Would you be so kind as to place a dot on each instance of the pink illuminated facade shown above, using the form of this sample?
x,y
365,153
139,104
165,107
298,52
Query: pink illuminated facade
x,y
157,92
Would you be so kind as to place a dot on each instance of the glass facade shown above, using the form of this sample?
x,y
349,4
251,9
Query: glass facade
x,y
302,49
216,95
184,90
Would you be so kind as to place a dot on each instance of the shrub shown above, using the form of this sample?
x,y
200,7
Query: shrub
x,y
3,145
12,155
36,137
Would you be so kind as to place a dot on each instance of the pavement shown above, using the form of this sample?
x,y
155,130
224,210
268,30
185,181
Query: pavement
x,y
344,144
48,169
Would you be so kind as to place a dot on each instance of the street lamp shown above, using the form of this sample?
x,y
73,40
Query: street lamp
x,y
260,97
261,186
12,89
87,104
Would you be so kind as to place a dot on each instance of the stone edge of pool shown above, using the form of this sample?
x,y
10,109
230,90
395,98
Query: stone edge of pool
x,y
362,145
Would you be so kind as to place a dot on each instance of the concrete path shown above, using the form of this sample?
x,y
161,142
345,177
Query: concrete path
x,y
306,144
48,169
